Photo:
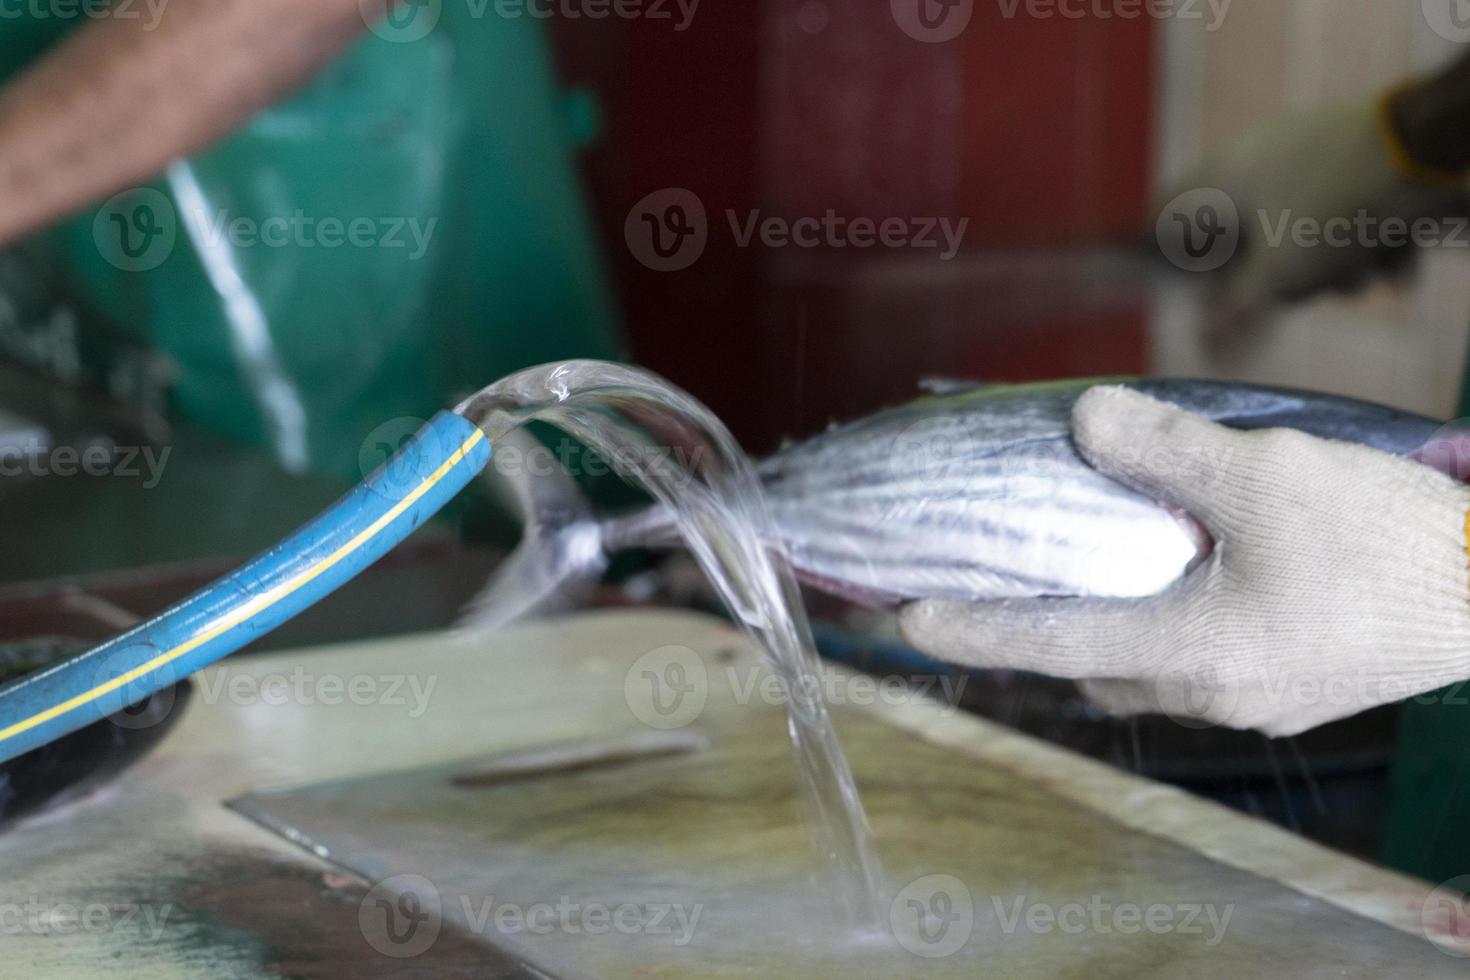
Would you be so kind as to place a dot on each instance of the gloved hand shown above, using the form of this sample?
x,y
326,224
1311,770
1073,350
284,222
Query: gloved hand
x,y
1338,173
1339,580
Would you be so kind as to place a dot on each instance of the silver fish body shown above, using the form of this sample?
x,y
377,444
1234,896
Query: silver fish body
x,y
982,494
972,495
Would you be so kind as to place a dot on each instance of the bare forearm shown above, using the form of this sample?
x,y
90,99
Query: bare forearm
x,y
118,100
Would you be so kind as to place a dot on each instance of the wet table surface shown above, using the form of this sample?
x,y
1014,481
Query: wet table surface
x,y
533,804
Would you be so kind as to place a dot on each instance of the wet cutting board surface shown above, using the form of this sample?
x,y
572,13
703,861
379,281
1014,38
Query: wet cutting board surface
x,y
486,810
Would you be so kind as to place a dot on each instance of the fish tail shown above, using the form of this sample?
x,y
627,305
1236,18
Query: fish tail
x,y
561,556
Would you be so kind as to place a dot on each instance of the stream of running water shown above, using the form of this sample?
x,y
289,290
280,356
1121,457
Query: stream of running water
x,y
628,416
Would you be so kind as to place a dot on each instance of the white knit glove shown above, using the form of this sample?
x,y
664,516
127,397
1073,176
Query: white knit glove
x,y
1314,170
1339,581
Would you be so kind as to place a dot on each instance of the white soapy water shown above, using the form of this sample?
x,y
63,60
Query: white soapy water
x,y
624,413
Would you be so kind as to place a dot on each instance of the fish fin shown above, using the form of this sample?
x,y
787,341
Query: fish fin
x,y
948,386
560,558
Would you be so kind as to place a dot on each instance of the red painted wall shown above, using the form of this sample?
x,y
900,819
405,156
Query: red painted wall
x,y
1035,130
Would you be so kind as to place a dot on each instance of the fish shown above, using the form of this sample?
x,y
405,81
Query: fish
x,y
969,493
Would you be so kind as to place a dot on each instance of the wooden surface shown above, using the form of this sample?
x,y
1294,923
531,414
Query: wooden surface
x,y
156,878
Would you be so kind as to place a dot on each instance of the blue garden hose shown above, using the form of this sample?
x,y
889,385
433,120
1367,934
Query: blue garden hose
x,y
254,599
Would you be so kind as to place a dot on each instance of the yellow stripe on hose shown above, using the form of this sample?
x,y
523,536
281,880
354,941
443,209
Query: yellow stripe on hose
x,y
252,608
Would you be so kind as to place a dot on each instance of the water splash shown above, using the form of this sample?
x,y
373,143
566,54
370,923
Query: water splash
x,y
632,417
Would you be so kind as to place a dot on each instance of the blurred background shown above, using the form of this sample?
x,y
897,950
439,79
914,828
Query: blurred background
x,y
472,188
